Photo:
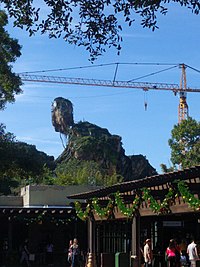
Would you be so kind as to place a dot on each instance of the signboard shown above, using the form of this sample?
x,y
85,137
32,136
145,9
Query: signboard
x,y
173,223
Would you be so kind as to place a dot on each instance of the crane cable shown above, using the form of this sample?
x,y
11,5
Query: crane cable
x,y
192,68
99,65
153,73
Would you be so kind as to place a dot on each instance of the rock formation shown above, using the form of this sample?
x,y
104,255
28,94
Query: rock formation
x,y
87,141
62,115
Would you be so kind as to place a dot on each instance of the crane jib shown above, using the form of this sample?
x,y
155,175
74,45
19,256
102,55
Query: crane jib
x,y
107,83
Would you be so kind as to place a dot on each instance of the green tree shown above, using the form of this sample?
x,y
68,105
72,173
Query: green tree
x,y
76,172
21,164
9,51
185,143
6,182
94,24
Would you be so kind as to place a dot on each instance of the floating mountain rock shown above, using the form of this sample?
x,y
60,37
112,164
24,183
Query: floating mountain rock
x,y
62,115
89,142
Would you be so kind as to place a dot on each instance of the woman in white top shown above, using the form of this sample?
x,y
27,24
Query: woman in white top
x,y
148,253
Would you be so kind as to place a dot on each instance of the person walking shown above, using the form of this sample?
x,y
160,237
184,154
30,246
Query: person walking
x,y
177,253
148,255
75,253
49,253
192,253
25,253
171,254
69,252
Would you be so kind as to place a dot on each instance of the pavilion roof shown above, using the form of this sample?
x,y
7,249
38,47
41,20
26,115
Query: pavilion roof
x,y
188,174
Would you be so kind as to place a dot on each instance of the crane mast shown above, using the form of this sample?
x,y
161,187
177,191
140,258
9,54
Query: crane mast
x,y
183,106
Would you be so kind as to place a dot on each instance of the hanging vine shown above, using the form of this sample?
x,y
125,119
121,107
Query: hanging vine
x,y
191,200
153,204
159,208
83,215
103,212
129,212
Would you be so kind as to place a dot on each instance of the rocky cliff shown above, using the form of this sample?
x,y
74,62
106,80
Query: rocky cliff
x,y
89,142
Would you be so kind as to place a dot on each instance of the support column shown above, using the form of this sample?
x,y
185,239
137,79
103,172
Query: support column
x,y
91,244
135,249
10,234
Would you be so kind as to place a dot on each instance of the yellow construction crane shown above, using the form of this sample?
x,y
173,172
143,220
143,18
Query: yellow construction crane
x,y
183,106
175,88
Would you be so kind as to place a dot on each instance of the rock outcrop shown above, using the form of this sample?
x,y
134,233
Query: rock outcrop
x,y
62,115
89,142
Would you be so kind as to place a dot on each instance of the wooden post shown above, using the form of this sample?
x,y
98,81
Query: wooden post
x,y
91,244
10,234
135,250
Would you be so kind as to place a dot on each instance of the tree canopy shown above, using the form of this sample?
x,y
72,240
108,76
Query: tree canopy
x,y
9,51
185,143
21,163
76,172
94,24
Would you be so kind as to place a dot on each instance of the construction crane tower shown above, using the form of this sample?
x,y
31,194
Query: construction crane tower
x,y
183,106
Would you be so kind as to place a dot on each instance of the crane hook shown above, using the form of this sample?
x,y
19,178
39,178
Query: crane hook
x,y
145,106
145,100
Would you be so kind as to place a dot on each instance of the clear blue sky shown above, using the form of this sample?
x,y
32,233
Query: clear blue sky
x,y
121,111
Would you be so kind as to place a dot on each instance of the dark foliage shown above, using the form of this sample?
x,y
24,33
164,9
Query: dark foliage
x,y
9,51
94,24
20,163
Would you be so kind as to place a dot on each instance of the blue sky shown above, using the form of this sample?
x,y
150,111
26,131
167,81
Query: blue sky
x,y
121,111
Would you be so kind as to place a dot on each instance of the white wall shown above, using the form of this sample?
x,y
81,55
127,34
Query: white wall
x,y
51,195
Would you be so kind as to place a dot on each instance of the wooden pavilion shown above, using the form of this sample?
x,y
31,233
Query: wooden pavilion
x,y
40,214
122,216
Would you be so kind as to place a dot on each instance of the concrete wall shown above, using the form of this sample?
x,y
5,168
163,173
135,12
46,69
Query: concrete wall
x,y
51,195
